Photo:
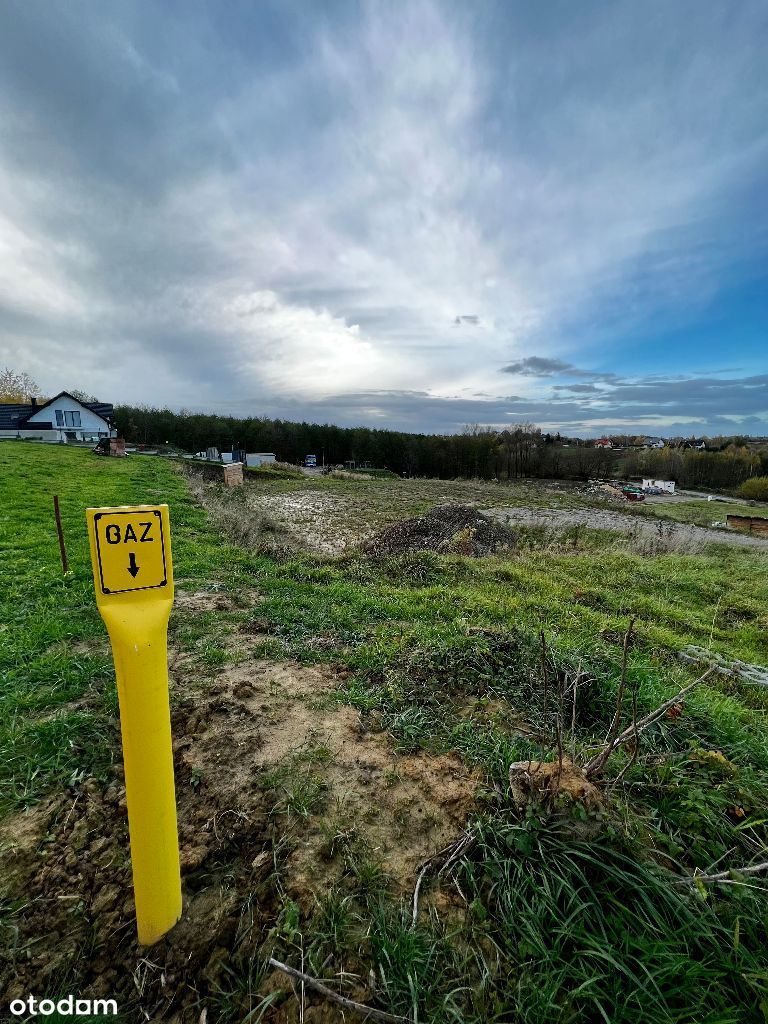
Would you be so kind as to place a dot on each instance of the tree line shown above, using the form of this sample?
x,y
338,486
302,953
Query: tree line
x,y
486,453
723,470
482,452
477,452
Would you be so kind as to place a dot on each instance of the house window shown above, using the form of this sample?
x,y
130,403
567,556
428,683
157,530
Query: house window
x,y
59,418
72,419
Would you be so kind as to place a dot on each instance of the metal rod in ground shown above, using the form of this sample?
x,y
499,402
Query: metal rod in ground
x,y
62,548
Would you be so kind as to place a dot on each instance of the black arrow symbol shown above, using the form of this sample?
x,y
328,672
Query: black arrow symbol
x,y
132,567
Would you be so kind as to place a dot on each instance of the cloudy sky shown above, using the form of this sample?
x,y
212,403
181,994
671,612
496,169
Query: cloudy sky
x,y
410,214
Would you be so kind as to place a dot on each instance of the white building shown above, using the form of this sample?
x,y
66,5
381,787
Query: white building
x,y
667,486
259,458
63,418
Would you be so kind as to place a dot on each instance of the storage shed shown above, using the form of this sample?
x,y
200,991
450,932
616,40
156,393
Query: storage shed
x,y
667,486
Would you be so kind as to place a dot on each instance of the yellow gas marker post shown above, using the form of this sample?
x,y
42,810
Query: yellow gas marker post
x,y
133,573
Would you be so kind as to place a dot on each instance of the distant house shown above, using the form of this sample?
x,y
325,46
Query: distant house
x,y
63,418
653,442
603,442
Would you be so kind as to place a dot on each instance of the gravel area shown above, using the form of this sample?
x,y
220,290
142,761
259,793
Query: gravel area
x,y
674,534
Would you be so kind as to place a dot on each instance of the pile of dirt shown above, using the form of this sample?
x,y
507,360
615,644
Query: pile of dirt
x,y
447,529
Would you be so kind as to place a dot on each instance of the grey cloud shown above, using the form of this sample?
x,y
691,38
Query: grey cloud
x,y
581,389
537,366
420,411
705,396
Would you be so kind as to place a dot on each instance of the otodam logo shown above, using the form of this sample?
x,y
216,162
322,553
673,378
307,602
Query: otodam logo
x,y
66,1006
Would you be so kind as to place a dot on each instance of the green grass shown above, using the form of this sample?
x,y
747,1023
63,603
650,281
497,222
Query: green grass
x,y
563,916
297,785
273,471
703,513
57,695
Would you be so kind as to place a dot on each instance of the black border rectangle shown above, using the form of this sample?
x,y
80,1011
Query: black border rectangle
x,y
130,590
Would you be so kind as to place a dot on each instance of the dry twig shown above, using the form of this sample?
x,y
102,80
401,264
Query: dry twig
x,y
575,689
596,763
545,676
559,728
636,744
368,1012
725,877
445,857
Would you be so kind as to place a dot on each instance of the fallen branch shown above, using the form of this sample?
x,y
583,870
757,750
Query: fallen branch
x,y
756,675
725,876
598,761
447,856
349,1004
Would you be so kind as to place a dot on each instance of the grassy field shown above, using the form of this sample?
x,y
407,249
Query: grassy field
x,y
366,696
704,513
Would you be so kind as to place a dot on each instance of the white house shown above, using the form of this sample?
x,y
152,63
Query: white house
x,y
667,486
653,442
63,418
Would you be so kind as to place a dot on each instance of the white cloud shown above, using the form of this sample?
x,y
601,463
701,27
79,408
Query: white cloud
x,y
310,222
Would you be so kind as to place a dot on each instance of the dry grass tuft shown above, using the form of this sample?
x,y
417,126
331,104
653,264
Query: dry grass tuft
x,y
241,523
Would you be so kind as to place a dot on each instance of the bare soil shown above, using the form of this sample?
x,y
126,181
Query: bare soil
x,y
246,741
316,520
330,523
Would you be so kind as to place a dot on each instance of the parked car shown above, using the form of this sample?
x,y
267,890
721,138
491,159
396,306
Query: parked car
x,y
633,493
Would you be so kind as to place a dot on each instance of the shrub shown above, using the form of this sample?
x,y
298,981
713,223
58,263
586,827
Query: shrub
x,y
755,488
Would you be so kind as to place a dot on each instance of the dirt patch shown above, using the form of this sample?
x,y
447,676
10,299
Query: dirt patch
x,y
447,529
96,645
213,601
317,520
276,784
549,780
20,836
274,725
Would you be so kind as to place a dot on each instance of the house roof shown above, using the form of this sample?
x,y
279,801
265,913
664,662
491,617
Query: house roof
x,y
11,414
15,415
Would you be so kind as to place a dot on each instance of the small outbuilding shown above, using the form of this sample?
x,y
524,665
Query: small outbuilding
x,y
659,486
260,458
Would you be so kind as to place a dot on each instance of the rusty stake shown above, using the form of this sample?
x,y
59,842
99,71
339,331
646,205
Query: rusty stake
x,y
57,513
